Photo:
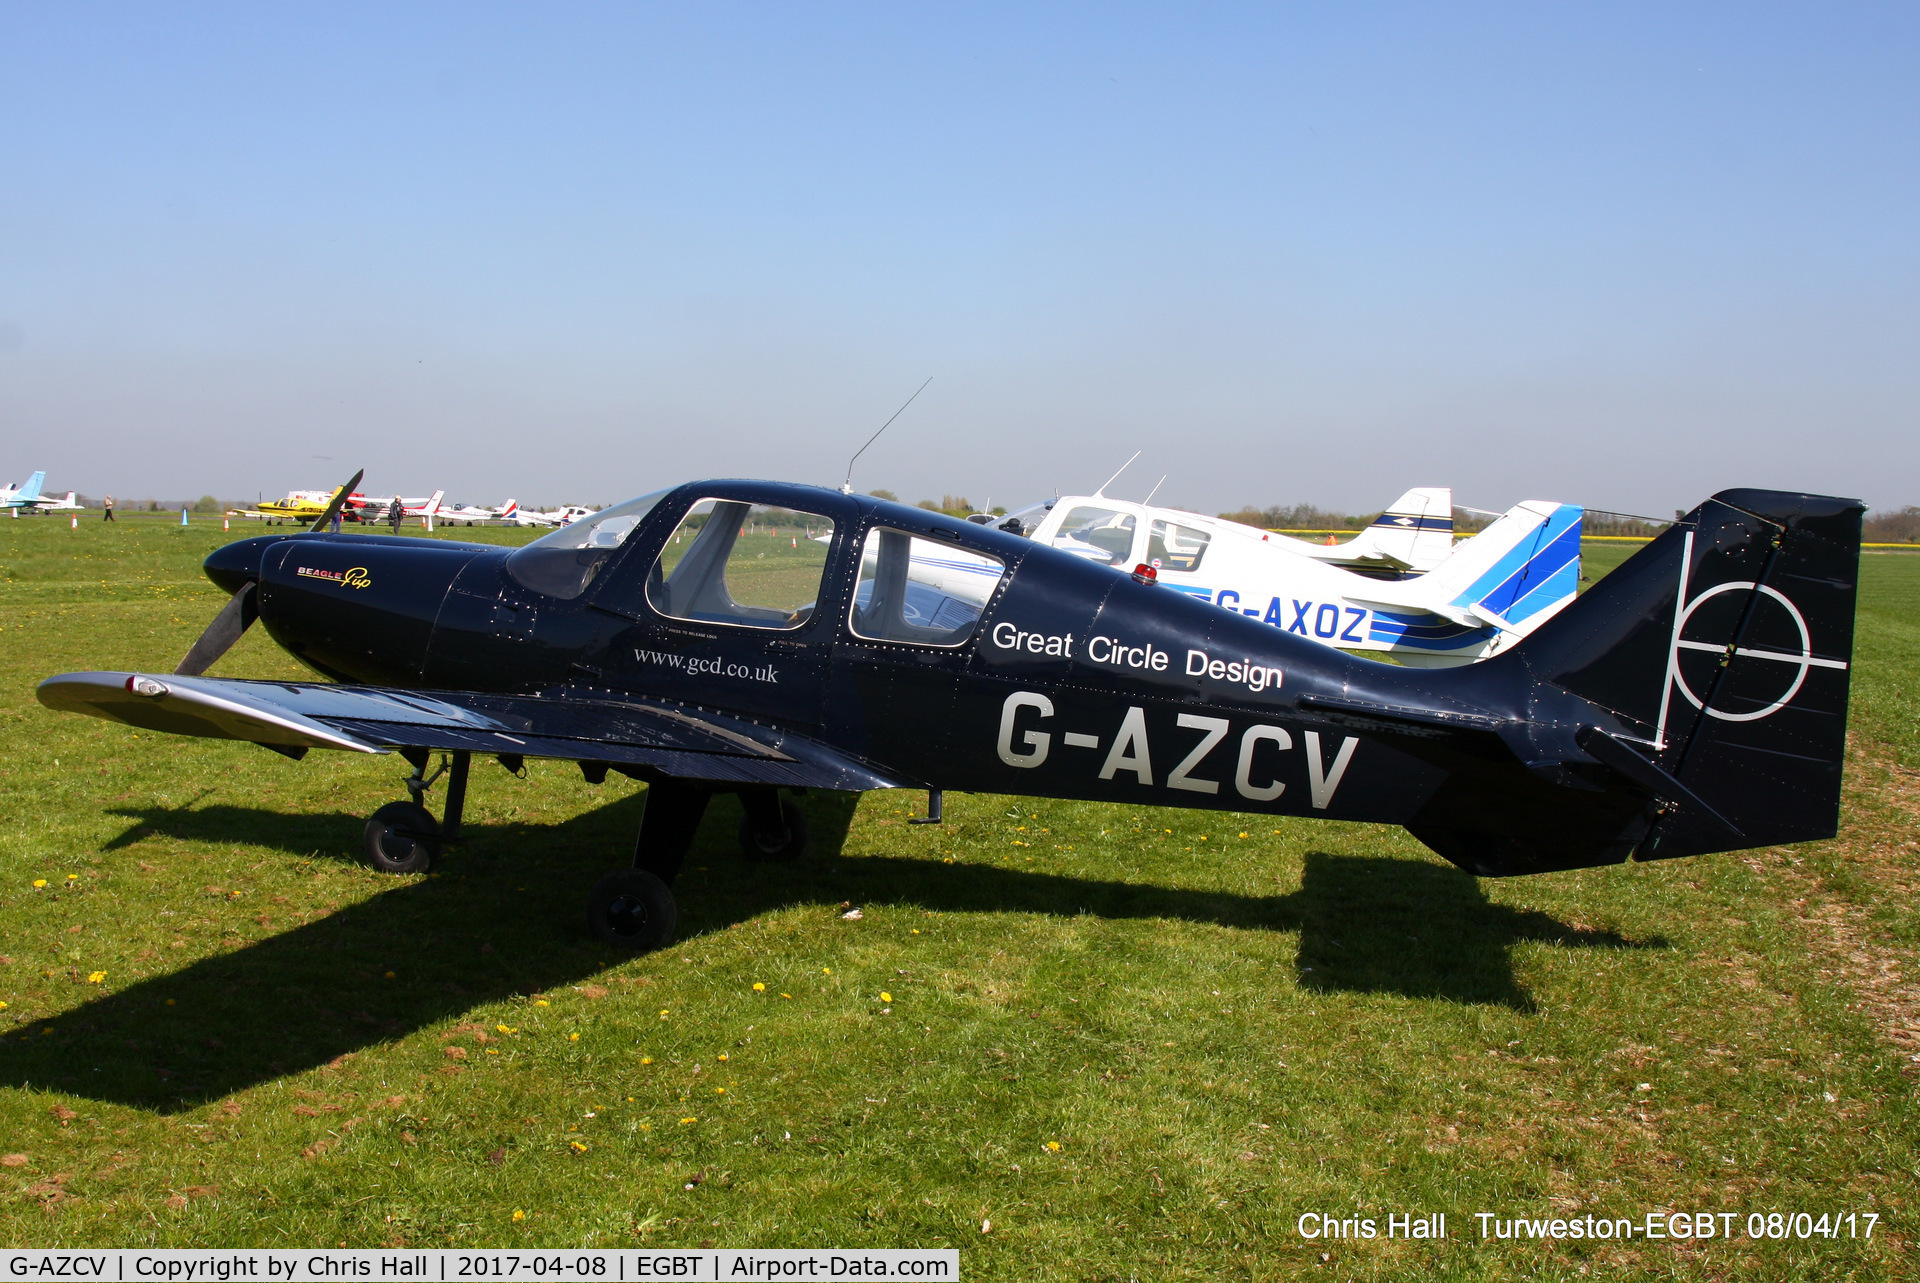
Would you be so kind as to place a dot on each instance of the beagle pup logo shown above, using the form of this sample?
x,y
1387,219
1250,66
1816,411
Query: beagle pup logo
x,y
357,577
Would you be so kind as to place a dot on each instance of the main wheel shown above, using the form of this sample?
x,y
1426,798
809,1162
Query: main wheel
x,y
402,837
773,848
631,909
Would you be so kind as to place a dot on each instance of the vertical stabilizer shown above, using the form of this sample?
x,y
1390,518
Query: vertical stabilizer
x,y
1518,572
1416,531
1725,646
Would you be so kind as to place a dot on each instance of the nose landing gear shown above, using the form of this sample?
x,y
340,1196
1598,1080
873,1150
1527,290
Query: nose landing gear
x,y
403,837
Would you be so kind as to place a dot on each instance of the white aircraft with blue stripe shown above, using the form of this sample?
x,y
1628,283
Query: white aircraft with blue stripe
x,y
26,495
1481,596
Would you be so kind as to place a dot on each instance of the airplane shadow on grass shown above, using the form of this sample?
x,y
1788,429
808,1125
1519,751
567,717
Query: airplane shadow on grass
x,y
506,918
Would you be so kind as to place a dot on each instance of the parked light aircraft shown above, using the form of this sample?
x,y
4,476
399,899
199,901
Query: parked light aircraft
x,y
303,506
69,504
25,495
1485,594
1414,534
465,514
561,516
1693,701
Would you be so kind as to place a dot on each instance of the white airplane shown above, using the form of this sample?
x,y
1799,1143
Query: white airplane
x,y
1482,596
513,514
26,495
68,504
377,508
1414,533
467,514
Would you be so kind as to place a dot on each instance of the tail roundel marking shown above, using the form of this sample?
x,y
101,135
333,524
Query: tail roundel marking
x,y
1684,609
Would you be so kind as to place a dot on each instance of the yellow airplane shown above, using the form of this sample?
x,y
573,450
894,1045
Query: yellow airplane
x,y
306,506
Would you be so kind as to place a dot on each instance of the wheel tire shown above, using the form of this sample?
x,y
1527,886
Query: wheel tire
x,y
759,851
402,837
631,910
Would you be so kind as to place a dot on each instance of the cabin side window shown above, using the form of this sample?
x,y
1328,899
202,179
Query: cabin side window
x,y
1102,535
1173,547
730,562
921,590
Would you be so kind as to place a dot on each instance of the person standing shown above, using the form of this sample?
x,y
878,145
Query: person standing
x,y
396,513
106,509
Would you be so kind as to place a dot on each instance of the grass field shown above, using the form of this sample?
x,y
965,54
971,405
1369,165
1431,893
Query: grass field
x,y
1139,1043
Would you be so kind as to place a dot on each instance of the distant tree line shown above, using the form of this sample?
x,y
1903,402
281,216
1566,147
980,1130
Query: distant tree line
x,y
1894,526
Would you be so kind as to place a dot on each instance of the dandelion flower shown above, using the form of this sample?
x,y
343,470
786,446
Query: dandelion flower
x,y
663,1015
758,987
645,1060
685,1121
786,995
826,971
96,977
1243,835
723,1055
3,1006
577,1147
519,1216
39,882
502,1029
719,1091
73,877
540,1002
886,997
1053,1146
916,931
573,1037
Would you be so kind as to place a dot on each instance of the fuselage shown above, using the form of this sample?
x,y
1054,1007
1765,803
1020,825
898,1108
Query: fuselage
x,y
1072,681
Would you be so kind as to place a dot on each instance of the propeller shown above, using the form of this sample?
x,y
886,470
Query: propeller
x,y
233,619
339,498
243,607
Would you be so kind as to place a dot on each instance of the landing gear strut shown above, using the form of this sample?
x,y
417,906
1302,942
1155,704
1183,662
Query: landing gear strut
x,y
403,837
634,909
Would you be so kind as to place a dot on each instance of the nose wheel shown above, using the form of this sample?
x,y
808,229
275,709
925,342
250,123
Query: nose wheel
x,y
403,837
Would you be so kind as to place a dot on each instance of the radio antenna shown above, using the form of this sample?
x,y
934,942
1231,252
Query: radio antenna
x,y
1151,493
846,487
1101,493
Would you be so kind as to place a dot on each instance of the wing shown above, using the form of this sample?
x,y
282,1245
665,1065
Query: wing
x,y
292,717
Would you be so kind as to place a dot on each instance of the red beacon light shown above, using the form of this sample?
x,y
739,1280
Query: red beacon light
x,y
1145,574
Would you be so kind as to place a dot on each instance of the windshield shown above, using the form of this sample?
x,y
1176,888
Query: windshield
x,y
1023,521
563,563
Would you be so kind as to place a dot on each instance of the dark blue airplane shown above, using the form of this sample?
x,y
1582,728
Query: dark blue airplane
x,y
749,637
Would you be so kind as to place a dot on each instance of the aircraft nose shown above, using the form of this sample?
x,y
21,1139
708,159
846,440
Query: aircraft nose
x,y
237,562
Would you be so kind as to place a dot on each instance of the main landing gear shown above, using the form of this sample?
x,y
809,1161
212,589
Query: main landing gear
x,y
403,837
633,909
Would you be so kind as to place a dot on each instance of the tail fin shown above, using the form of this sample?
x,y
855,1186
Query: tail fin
x,y
1416,530
1517,573
1724,645
433,504
31,490
511,510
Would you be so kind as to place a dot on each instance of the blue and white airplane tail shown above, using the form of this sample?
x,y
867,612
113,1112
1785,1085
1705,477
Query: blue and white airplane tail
x,y
1416,531
1517,573
29,492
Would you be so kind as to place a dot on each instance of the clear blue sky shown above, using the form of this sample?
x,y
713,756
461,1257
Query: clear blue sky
x,y
1614,254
